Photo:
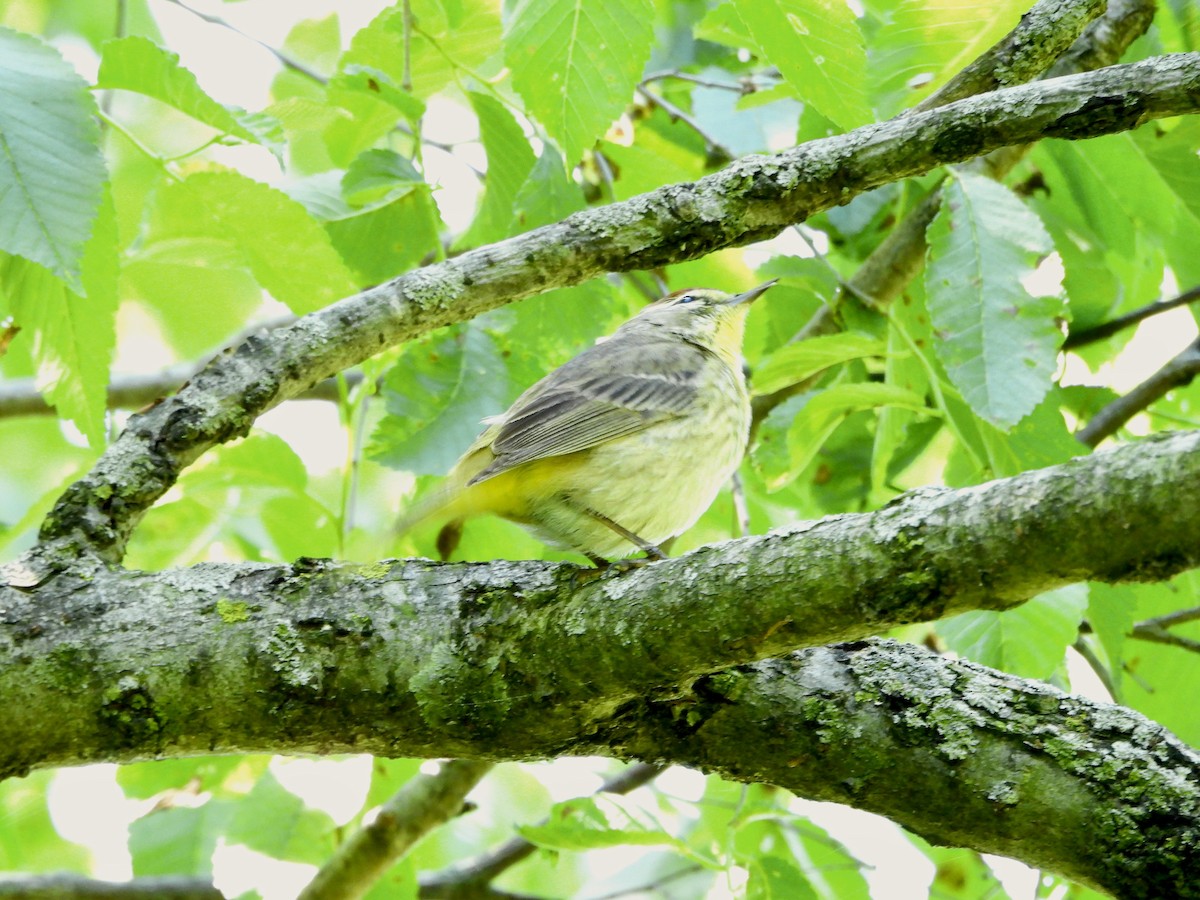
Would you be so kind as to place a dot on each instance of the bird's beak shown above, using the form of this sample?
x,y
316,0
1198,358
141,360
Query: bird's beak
x,y
751,295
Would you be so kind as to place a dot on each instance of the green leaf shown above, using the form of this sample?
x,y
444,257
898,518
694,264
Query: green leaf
x,y
1029,640
443,43
776,878
436,395
28,841
818,48
576,63
368,79
587,823
1112,610
824,411
144,780
794,363
547,195
380,215
74,335
52,176
288,252
138,64
175,277
178,840
510,162
998,344
274,821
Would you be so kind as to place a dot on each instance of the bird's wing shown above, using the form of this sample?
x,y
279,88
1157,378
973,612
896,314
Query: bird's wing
x,y
608,391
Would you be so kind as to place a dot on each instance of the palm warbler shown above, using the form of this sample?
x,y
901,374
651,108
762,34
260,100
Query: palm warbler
x,y
621,448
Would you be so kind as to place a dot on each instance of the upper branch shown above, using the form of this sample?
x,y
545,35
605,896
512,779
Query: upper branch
x,y
752,199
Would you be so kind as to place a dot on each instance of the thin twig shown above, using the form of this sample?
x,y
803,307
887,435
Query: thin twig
x,y
1162,636
62,886
1108,329
718,153
459,881
1084,649
742,86
1178,617
286,60
1178,372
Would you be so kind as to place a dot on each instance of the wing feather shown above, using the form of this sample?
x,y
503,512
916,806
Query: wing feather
x,y
609,391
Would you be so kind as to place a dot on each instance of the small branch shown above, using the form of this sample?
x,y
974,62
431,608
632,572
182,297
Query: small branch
x,y
900,257
718,153
1155,635
1172,619
743,86
1178,372
1106,330
286,60
1084,649
406,78
77,887
1039,39
464,879
423,804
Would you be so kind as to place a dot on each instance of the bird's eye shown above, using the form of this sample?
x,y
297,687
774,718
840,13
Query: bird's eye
x,y
687,298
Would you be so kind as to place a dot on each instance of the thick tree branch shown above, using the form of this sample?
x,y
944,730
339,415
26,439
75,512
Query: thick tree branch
x,y
517,659
954,752
751,199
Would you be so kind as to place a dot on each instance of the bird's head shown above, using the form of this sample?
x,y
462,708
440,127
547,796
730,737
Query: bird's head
x,y
709,318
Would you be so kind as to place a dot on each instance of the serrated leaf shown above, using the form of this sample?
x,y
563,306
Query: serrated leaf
x,y
1029,641
576,62
286,249
442,43
52,176
824,411
138,64
510,161
818,48
73,335
794,363
435,396
998,344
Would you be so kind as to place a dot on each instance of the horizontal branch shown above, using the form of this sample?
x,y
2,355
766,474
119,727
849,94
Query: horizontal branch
x,y
524,659
752,199
955,752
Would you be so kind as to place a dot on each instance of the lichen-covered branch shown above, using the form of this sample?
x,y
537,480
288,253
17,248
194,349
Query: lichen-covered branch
x,y
520,659
752,199
960,754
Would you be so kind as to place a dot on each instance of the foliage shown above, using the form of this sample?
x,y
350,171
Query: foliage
x,y
185,219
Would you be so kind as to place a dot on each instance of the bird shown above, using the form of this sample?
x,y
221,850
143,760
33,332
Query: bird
x,y
624,446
